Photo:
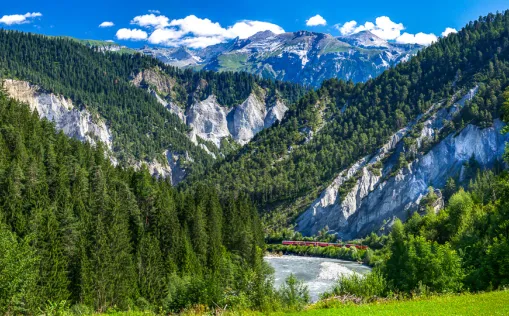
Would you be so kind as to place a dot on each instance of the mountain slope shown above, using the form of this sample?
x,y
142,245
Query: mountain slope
x,y
100,85
302,57
75,229
286,167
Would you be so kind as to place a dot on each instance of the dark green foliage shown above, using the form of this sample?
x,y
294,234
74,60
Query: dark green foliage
x,y
74,228
415,261
142,129
18,274
343,253
282,165
463,247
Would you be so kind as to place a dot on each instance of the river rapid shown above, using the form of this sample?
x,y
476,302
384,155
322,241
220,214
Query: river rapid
x,y
319,274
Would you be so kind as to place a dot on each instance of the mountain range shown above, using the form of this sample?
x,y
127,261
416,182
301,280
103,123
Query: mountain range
x,y
302,57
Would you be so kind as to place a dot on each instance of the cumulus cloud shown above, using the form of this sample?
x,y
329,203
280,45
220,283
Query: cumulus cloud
x,y
316,20
196,32
199,42
19,18
150,20
246,29
448,30
106,24
164,36
346,28
383,27
197,26
131,34
419,38
387,29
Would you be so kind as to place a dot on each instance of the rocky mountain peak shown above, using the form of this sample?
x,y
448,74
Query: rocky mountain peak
x,y
365,39
261,35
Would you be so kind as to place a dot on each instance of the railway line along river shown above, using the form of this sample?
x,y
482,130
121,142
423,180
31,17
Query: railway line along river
x,y
319,274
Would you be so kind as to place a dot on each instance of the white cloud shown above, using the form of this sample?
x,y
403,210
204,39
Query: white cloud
x,y
199,42
19,18
419,38
383,27
246,29
106,24
448,30
197,26
347,28
131,34
164,36
386,29
150,20
197,33
154,11
316,20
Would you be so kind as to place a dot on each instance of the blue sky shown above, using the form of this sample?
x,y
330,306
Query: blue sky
x,y
198,23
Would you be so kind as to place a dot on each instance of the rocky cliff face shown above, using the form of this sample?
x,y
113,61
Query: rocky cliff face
x,y
208,120
75,122
380,195
211,121
82,125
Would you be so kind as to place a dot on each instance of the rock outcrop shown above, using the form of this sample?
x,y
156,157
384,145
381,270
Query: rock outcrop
x,y
173,169
380,195
75,122
82,125
210,120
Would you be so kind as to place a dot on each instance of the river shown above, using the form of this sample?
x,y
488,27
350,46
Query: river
x,y
319,274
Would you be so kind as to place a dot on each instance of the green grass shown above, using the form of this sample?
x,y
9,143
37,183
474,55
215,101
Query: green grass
x,y
232,62
493,303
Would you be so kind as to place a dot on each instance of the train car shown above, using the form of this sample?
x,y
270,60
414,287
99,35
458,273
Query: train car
x,y
321,244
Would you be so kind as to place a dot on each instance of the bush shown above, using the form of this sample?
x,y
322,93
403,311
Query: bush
x,y
366,286
294,294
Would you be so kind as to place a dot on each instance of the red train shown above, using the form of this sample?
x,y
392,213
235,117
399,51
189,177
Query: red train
x,y
320,244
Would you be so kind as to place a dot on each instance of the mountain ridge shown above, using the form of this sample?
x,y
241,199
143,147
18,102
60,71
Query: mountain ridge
x,y
302,57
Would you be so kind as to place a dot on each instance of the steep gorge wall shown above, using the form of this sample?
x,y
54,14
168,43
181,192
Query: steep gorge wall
x,y
81,124
211,121
379,197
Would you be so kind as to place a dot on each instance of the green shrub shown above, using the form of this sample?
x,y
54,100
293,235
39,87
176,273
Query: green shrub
x,y
294,294
366,286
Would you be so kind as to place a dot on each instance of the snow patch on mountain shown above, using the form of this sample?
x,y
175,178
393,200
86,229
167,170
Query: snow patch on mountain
x,y
302,57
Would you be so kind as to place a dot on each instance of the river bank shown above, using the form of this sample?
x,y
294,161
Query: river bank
x,y
349,254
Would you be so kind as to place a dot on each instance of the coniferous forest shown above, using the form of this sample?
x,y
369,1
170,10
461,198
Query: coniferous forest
x,y
76,229
80,235
101,82
349,121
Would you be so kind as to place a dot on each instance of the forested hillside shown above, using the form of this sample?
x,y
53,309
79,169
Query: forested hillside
x,y
75,230
462,247
284,167
101,81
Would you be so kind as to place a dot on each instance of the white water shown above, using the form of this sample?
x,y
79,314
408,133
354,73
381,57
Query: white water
x,y
319,274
